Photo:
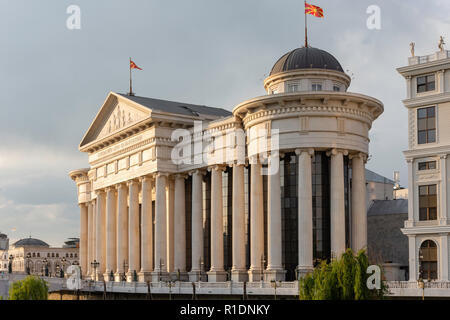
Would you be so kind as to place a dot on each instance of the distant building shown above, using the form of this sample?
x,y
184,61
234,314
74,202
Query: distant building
x,y
72,243
387,245
378,187
34,254
4,246
428,225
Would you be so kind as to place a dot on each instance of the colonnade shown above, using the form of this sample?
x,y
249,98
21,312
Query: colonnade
x,y
117,226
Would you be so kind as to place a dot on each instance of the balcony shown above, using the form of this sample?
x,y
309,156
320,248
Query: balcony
x,y
440,55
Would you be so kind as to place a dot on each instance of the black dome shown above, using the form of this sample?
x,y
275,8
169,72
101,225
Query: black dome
x,y
30,242
306,58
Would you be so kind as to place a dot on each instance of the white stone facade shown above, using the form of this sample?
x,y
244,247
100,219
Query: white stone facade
x,y
141,211
428,104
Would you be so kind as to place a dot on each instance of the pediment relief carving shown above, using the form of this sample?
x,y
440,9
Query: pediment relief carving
x,y
122,116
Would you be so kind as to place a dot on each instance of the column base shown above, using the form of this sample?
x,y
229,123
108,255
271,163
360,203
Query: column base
x,y
255,275
98,276
118,277
239,275
145,276
217,276
274,275
179,276
131,277
107,277
303,271
159,276
196,276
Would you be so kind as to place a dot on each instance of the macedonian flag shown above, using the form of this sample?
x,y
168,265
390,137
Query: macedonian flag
x,y
134,65
313,10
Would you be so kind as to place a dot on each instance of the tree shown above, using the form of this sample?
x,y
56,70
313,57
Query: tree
x,y
30,288
343,279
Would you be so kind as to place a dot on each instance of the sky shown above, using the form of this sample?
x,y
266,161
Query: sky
x,y
53,80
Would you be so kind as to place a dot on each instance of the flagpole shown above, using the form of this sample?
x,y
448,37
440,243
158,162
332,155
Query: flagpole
x,y
131,82
306,28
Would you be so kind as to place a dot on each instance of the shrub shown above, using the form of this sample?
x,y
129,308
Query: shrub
x,y
343,279
30,288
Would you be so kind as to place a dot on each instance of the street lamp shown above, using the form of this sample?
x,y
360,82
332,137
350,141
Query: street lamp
x,y
11,258
125,266
95,265
262,267
46,266
63,262
161,264
28,262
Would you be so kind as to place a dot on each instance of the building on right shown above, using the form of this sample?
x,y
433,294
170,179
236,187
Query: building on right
x,y
428,104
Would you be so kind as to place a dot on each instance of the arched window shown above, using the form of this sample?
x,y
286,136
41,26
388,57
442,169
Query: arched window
x,y
428,260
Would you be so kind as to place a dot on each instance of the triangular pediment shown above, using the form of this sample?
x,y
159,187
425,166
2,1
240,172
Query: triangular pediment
x,y
116,114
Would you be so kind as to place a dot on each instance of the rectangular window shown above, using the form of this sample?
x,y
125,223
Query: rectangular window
x,y
428,202
293,87
428,165
425,83
336,88
316,87
426,125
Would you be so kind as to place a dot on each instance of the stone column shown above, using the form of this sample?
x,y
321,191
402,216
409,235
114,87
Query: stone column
x,y
305,212
411,192
90,244
179,271
197,225
413,259
100,238
122,231
359,207
256,221
133,233
337,204
94,237
84,225
146,230
111,229
443,257
443,216
160,270
274,245
238,272
217,272
170,200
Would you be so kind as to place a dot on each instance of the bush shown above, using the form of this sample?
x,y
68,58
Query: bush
x,y
30,288
343,279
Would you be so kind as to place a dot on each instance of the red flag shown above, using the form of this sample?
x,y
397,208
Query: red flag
x,y
134,65
313,10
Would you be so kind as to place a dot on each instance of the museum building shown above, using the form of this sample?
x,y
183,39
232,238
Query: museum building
x,y
247,208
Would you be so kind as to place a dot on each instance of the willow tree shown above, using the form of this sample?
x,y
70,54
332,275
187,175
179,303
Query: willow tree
x,y
30,288
342,279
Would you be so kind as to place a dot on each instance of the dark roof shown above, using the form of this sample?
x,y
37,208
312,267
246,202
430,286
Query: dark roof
x,y
381,207
306,58
375,177
30,242
178,107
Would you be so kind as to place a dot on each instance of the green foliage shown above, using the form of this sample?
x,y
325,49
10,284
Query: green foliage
x,y
343,279
30,288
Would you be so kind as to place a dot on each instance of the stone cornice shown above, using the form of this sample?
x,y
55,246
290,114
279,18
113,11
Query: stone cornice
x,y
368,108
80,175
417,69
428,152
427,100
